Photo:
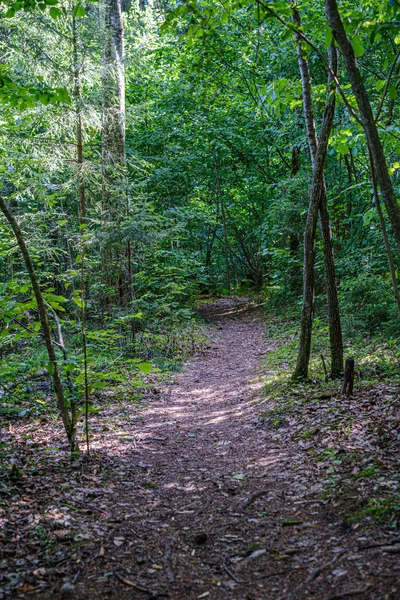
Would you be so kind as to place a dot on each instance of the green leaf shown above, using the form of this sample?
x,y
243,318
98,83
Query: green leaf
x,y
380,84
93,410
79,11
358,47
145,367
78,301
55,13
64,97
392,92
10,13
50,367
328,37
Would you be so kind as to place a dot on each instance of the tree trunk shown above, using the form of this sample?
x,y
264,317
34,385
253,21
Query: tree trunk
x,y
382,225
79,130
113,141
69,425
115,199
225,235
335,328
366,115
348,382
318,150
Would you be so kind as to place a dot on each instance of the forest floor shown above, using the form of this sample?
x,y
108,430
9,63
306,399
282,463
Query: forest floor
x,y
194,495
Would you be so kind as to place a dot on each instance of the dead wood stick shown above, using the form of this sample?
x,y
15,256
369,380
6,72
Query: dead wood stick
x,y
138,587
231,574
348,594
314,574
268,575
167,558
348,382
381,545
254,497
391,549
325,369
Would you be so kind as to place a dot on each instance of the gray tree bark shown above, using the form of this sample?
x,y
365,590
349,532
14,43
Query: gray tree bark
x,y
335,328
366,115
113,127
69,424
317,189
385,236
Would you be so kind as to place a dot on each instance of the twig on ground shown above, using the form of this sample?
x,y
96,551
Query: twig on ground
x,y
167,558
138,587
254,497
391,549
231,575
268,575
348,594
325,369
314,574
381,545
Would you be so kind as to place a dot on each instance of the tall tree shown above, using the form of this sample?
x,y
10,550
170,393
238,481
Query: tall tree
x,y
335,328
366,115
113,128
317,185
69,417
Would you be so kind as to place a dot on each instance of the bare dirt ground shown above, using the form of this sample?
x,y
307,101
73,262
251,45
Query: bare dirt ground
x,y
192,497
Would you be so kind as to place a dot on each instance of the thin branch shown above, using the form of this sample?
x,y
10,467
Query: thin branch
x,y
392,68
320,54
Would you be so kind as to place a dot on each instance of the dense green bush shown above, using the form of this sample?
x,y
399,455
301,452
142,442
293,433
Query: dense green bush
x,y
368,303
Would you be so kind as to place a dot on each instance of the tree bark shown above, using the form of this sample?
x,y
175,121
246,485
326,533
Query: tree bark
x,y
335,328
69,425
113,128
348,381
366,115
385,236
318,149
225,234
115,198
79,129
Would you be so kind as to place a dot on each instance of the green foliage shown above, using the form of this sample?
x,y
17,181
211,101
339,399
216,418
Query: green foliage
x,y
217,174
368,303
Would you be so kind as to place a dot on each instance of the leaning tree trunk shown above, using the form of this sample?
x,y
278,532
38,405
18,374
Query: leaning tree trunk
x,y
317,184
69,424
335,328
366,115
385,236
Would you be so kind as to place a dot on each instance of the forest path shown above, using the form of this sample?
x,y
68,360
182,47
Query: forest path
x,y
181,472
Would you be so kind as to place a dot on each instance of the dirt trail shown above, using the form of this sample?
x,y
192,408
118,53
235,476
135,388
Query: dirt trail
x,y
168,496
200,453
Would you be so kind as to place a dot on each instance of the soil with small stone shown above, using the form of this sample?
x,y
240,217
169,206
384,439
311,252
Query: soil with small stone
x,y
192,497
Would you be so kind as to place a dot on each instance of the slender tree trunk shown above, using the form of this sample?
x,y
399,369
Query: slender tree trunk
x,y
69,425
225,235
385,236
79,129
226,249
318,149
335,328
113,141
366,115
115,199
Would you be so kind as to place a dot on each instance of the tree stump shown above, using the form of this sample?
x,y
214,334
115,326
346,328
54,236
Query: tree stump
x,y
348,382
